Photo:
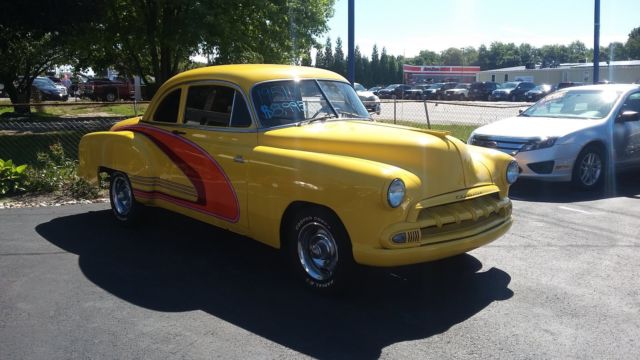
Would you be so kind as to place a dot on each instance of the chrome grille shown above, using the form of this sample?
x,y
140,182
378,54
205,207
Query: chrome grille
x,y
451,221
510,146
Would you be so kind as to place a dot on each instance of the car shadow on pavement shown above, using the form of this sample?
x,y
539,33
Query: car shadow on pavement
x,y
179,264
624,185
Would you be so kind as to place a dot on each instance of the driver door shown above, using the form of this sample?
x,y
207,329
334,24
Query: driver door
x,y
627,134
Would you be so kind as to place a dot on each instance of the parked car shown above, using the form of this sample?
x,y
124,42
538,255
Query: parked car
x,y
481,90
371,102
459,92
45,89
290,157
393,91
538,92
436,91
567,84
572,134
511,91
106,89
414,92
375,89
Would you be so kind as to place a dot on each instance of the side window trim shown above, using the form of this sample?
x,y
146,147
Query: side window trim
x,y
237,90
149,115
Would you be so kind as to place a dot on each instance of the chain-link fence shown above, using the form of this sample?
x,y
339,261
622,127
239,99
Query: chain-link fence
x,y
459,117
22,137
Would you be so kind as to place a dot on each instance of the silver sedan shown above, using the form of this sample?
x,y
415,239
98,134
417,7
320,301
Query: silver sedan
x,y
578,134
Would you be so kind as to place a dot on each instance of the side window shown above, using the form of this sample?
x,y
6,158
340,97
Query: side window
x,y
241,116
209,105
632,103
167,111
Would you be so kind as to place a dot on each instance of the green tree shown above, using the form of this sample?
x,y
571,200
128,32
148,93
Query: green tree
x,y
577,52
633,44
375,66
339,63
328,55
451,56
31,43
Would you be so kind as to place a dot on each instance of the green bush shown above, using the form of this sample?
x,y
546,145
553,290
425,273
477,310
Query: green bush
x,y
57,173
12,178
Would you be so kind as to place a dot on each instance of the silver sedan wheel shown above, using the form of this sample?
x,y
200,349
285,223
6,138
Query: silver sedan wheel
x,y
121,195
317,251
590,169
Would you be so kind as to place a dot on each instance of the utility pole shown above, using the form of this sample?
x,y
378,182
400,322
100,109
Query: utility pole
x,y
351,67
596,42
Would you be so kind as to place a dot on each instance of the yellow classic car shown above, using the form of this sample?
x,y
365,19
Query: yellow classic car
x,y
289,156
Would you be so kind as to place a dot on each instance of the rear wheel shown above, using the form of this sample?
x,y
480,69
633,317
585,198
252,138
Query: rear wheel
x,y
111,96
319,249
590,168
123,203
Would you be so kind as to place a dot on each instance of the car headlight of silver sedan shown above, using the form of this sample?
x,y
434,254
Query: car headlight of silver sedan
x,y
513,171
539,144
396,193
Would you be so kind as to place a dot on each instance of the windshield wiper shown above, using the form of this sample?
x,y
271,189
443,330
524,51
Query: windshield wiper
x,y
321,118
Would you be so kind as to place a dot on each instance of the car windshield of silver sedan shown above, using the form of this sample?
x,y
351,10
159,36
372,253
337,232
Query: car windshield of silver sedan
x,y
575,104
297,101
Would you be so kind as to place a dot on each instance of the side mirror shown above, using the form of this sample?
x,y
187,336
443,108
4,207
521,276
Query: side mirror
x,y
520,111
629,115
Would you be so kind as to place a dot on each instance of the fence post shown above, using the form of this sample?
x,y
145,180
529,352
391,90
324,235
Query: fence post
x,y
394,110
426,112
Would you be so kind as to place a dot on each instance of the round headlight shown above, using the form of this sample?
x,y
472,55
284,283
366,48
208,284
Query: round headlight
x,y
396,192
513,171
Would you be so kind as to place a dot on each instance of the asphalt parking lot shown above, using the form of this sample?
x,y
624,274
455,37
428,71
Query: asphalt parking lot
x,y
563,283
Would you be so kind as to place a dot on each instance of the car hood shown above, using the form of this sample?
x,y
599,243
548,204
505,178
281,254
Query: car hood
x,y
366,94
443,163
535,127
458,90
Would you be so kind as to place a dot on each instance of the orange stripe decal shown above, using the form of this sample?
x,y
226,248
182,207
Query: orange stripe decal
x,y
215,194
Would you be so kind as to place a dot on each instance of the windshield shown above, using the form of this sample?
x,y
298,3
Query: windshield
x,y
359,87
586,104
462,86
288,102
44,82
509,85
436,86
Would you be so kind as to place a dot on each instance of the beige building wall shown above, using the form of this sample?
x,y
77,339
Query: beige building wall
x,y
617,74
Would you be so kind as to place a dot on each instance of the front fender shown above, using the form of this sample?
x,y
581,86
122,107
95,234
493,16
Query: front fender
x,y
355,189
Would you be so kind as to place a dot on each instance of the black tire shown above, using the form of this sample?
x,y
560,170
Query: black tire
x,y
589,170
111,96
319,250
123,203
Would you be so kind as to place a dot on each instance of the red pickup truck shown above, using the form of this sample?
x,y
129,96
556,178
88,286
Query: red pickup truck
x,y
106,89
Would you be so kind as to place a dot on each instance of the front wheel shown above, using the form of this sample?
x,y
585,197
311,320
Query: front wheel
x,y
319,249
589,168
123,203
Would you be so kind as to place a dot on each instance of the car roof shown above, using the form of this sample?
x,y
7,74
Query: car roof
x,y
247,75
617,87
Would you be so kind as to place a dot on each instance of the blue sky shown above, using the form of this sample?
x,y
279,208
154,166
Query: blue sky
x,y
408,26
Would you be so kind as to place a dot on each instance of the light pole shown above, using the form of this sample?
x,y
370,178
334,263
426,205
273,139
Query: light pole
x,y
596,42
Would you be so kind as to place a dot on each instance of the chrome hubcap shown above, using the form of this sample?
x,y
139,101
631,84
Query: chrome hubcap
x,y
121,195
317,251
590,169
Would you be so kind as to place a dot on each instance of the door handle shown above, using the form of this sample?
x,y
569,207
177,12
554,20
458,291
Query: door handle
x,y
178,132
239,159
